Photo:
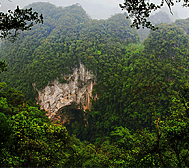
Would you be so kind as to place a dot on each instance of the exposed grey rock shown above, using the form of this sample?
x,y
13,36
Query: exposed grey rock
x,y
78,89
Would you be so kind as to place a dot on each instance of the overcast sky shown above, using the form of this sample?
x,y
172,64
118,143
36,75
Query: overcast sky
x,y
97,9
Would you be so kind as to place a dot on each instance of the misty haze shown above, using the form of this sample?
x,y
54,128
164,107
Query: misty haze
x,y
82,86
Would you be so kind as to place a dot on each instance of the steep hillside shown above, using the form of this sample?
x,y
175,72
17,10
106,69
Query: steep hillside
x,y
127,102
67,38
59,62
142,86
157,18
183,24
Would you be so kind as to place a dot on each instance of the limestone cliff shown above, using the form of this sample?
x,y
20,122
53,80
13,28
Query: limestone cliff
x,y
78,88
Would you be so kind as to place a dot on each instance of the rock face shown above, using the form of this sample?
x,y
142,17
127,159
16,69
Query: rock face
x,y
78,88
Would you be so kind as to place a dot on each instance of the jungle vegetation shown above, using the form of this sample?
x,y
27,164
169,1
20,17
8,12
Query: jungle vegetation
x,y
141,116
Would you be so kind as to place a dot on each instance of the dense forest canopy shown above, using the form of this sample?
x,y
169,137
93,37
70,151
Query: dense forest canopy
x,y
65,32
140,118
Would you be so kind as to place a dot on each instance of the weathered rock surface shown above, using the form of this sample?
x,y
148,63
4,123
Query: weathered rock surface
x,y
78,89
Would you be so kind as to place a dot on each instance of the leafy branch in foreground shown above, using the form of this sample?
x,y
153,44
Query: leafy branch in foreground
x,y
19,19
140,10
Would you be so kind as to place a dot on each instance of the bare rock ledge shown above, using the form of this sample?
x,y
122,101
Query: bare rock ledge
x,y
78,88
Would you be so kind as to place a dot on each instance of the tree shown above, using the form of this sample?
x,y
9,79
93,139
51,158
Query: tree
x,y
140,10
19,19
2,66
11,22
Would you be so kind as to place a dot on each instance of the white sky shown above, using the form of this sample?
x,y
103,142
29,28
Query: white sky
x,y
22,3
98,9
95,8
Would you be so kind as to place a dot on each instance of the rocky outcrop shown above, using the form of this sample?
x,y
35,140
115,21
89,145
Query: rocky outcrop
x,y
78,88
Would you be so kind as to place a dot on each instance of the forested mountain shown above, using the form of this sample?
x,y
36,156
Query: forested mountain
x,y
157,18
184,24
139,116
51,49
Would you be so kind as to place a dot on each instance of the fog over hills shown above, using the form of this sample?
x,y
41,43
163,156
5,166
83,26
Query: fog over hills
x,y
111,100
96,9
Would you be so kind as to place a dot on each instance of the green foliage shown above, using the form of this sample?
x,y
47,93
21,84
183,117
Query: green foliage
x,y
19,19
3,66
140,118
67,38
183,24
175,131
142,83
27,136
5,131
167,41
36,145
